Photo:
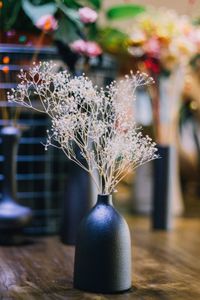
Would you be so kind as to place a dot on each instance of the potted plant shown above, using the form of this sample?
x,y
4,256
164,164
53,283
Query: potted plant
x,y
94,121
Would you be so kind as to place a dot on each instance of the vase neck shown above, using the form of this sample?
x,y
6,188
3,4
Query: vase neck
x,y
104,199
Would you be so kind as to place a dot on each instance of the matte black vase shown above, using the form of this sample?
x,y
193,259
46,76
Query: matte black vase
x,y
103,250
13,217
161,212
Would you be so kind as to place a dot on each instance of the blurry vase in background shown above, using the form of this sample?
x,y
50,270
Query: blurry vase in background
x,y
161,196
169,95
13,216
77,201
171,201
141,202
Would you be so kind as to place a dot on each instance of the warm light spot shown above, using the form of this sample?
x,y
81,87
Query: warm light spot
x,y
47,25
193,105
6,59
5,69
1,4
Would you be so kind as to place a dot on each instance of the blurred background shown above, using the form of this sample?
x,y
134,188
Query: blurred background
x,y
105,40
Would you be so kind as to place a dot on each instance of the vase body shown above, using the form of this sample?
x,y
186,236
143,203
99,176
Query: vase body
x,y
162,209
13,217
76,203
103,250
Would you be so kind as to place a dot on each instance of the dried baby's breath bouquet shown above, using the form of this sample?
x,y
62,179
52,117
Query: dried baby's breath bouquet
x,y
89,124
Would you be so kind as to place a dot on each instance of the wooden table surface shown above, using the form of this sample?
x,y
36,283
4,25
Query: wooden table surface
x,y
165,266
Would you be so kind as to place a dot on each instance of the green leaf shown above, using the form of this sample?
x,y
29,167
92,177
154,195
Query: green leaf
x,y
92,31
95,3
71,14
66,31
124,11
112,40
35,12
72,3
10,14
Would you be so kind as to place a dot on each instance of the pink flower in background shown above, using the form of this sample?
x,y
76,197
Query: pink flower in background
x,y
87,15
152,47
194,37
90,49
78,46
47,23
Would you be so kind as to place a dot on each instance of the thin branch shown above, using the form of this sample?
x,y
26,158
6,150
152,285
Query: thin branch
x,y
89,124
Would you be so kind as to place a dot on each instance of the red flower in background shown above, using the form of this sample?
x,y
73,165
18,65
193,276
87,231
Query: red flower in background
x,y
152,65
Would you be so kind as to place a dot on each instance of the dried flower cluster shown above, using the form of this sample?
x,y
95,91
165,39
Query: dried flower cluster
x,y
89,124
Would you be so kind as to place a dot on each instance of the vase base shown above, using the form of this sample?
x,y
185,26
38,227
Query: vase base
x,y
13,220
13,217
9,238
102,291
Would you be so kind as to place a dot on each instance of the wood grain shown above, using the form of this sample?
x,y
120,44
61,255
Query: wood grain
x,y
165,266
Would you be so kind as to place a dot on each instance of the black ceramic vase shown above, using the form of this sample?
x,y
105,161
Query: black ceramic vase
x,y
161,212
103,250
13,217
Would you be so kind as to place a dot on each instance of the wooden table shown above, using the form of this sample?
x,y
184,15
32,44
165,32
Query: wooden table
x,y
165,266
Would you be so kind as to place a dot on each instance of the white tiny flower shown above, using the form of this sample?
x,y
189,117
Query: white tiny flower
x,y
89,119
